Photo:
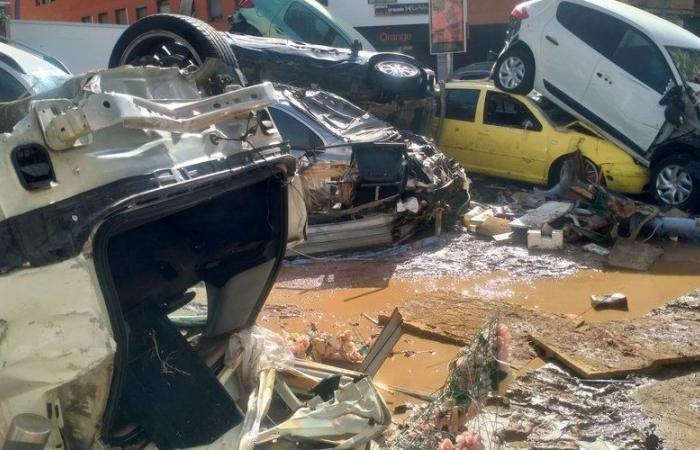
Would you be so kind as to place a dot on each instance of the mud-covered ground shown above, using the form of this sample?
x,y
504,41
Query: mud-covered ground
x,y
449,285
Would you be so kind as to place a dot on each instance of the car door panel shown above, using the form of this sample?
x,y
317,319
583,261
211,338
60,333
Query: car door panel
x,y
557,44
636,77
515,150
460,136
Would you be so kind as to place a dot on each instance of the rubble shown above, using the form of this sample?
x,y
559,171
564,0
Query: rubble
x,y
616,301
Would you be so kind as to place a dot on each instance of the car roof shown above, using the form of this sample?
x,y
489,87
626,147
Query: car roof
x,y
661,30
475,84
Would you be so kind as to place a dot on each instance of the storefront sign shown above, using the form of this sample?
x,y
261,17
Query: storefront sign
x,y
401,9
448,26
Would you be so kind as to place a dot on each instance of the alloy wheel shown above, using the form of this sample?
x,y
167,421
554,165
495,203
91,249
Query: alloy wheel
x,y
161,48
674,184
397,69
511,72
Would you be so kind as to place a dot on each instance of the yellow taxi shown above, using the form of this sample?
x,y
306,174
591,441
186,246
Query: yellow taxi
x,y
527,138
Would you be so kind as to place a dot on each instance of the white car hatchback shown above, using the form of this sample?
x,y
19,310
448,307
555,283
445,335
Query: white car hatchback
x,y
629,73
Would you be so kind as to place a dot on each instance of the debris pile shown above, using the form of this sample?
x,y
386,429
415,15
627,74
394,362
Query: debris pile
x,y
609,225
324,347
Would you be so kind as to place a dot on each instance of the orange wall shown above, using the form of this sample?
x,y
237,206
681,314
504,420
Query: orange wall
x,y
483,12
74,10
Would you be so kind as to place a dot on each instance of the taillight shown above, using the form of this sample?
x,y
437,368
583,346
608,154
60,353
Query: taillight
x,y
246,4
520,12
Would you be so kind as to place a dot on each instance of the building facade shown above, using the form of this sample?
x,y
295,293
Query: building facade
x,y
118,11
402,25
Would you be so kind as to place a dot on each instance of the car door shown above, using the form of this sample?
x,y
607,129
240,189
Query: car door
x,y
303,23
513,138
570,49
460,131
635,75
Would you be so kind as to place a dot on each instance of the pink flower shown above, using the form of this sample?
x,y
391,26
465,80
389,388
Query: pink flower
x,y
469,441
446,444
503,338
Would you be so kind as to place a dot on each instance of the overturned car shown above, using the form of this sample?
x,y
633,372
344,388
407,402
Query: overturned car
x,y
365,183
126,194
394,87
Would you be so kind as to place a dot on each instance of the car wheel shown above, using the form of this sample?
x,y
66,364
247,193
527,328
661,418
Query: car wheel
x,y
588,171
396,77
676,182
169,40
515,71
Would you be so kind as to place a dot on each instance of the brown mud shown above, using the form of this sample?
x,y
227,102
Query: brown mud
x,y
453,285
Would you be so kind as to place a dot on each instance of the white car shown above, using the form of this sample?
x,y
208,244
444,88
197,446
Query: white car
x,y
630,74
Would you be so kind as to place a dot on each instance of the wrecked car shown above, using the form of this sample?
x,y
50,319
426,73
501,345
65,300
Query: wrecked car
x,y
365,182
528,138
632,75
130,194
394,87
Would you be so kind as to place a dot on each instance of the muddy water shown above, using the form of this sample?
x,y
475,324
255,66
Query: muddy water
x,y
334,294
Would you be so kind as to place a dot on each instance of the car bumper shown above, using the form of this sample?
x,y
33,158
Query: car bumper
x,y
627,179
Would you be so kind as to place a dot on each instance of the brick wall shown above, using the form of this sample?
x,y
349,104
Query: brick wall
x,y
77,10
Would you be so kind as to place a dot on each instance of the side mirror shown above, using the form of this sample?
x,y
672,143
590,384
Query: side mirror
x,y
527,124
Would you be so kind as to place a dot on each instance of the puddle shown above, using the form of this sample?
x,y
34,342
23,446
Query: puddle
x,y
334,293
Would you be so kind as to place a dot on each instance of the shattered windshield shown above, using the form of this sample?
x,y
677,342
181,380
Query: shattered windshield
x,y
554,114
339,116
687,61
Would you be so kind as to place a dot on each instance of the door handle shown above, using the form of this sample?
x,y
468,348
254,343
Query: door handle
x,y
603,77
552,40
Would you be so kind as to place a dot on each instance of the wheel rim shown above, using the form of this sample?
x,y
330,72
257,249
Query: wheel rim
x,y
511,72
674,184
397,69
589,171
160,48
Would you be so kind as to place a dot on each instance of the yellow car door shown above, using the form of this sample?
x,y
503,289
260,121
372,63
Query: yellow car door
x,y
515,139
459,135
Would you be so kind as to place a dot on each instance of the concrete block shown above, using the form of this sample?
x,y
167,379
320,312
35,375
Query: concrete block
x,y
536,241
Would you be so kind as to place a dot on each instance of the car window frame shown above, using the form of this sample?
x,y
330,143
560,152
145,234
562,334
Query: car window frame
x,y
301,122
18,78
658,52
537,124
479,93
583,37
310,10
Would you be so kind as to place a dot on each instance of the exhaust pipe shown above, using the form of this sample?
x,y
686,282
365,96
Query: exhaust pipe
x,y
28,432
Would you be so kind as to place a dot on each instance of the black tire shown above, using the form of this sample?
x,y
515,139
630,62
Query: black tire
x,y
142,40
407,80
522,84
244,28
675,181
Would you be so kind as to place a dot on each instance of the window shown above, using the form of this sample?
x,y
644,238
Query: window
x,y
10,88
311,28
120,14
504,111
86,19
163,6
595,28
460,104
141,12
299,136
639,57
103,18
215,9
